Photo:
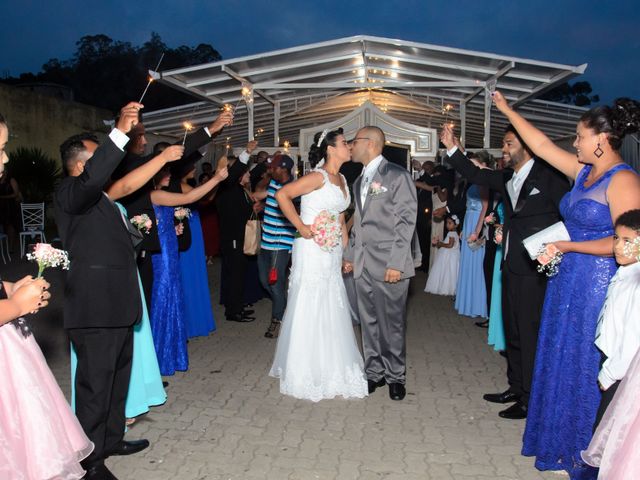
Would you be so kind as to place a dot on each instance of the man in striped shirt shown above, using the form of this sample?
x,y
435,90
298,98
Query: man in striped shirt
x,y
277,240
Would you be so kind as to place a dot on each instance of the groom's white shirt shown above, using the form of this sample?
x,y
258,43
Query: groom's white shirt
x,y
368,172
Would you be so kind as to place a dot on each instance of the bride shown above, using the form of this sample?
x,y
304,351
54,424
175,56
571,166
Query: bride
x,y
317,356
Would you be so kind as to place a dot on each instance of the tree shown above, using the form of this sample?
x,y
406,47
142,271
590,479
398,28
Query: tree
x,y
577,94
109,73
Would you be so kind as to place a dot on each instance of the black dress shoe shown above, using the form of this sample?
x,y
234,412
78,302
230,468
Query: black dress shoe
x,y
372,384
503,353
505,397
165,384
397,391
484,324
517,411
128,448
248,312
240,317
99,472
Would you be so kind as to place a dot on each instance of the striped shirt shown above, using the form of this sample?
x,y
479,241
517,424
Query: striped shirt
x,y
277,231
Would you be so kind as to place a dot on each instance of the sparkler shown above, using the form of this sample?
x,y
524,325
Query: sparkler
x,y
187,127
151,79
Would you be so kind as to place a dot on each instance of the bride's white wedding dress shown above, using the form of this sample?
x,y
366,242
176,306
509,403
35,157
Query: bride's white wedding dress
x,y
317,356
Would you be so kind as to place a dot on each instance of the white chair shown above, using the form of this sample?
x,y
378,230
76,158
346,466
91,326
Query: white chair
x,y
32,224
4,246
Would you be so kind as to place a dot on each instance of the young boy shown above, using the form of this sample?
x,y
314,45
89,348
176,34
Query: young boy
x,y
618,332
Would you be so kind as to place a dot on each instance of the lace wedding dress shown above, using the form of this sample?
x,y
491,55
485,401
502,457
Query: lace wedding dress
x,y
317,356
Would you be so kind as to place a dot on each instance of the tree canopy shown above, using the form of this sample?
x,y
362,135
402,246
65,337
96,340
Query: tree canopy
x,y
577,94
109,73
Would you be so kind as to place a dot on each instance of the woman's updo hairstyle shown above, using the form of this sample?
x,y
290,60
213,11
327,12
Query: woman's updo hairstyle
x,y
617,121
318,152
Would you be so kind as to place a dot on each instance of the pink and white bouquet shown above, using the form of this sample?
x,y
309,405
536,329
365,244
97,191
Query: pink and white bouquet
x,y
142,222
327,232
46,256
497,235
490,219
180,213
549,258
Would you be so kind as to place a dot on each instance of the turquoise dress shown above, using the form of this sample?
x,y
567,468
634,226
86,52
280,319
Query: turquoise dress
x,y
145,384
496,327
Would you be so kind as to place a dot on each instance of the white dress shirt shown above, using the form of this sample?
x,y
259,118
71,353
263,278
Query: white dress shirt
x,y
618,331
514,185
118,138
368,172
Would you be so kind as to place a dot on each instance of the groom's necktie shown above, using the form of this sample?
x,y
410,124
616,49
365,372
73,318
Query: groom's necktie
x,y
364,188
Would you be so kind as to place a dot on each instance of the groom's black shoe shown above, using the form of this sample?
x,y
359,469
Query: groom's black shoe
x,y
397,391
240,317
372,384
505,397
128,448
516,411
247,311
99,472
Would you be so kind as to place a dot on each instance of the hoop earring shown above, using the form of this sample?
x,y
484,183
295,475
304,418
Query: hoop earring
x,y
598,152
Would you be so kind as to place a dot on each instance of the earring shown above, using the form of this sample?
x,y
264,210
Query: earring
x,y
598,152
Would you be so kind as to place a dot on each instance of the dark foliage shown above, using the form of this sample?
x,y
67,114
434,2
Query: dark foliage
x,y
577,94
35,172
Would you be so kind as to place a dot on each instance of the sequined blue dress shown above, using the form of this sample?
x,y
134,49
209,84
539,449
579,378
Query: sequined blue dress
x,y
565,395
167,308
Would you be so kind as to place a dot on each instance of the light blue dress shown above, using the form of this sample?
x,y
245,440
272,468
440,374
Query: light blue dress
x,y
471,293
145,384
496,326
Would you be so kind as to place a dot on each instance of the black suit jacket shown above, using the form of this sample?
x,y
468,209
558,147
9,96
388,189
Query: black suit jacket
x,y
102,283
532,212
139,202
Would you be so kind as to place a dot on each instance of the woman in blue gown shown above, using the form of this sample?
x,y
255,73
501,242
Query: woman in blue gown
x,y
496,326
193,271
471,292
565,394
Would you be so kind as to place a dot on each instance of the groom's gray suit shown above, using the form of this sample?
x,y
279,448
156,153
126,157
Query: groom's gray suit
x,y
381,239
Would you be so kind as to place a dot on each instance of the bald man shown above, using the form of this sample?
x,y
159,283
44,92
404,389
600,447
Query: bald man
x,y
380,255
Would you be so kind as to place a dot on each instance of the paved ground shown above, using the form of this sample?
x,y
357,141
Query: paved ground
x,y
225,418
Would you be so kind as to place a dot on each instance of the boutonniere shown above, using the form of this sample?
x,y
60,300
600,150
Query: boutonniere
x,y
377,188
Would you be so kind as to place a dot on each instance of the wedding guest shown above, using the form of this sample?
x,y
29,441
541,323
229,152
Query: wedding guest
x,y
277,240
496,336
234,208
102,269
532,191
443,277
209,222
618,331
167,304
567,361
428,186
471,291
425,207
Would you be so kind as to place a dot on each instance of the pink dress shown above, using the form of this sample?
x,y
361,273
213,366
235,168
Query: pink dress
x,y
40,438
615,446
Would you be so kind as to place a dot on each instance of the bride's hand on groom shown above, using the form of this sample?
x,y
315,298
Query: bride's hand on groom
x,y
392,276
305,231
347,267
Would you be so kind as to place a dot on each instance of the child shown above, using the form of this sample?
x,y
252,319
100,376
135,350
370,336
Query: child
x,y
443,276
614,444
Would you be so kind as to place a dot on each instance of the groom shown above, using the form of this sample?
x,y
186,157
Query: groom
x,y
379,253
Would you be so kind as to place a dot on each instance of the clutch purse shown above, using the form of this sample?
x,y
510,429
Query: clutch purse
x,y
554,233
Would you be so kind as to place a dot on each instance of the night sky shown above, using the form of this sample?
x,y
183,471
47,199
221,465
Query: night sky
x,y
604,34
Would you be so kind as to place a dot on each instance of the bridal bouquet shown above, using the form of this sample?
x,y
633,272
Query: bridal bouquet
x,y
46,256
549,258
142,222
497,235
180,213
326,230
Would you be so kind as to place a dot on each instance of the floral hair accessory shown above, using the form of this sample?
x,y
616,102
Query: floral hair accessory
x,y
455,219
322,136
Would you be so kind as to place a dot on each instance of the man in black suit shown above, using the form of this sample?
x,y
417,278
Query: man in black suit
x,y
102,298
423,222
139,202
532,191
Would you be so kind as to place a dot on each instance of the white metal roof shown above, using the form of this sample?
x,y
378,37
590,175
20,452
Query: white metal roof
x,y
414,82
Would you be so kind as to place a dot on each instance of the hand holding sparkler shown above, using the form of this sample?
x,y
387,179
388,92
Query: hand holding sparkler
x,y
129,116
224,119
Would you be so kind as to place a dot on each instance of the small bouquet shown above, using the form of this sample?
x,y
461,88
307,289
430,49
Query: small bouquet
x,y
326,230
549,258
180,213
46,256
497,235
490,219
142,222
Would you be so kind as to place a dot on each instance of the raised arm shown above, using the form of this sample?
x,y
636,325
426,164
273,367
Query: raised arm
x,y
170,199
286,194
141,175
538,142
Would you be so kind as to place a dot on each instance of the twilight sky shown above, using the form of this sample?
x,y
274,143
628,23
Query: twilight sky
x,y
604,34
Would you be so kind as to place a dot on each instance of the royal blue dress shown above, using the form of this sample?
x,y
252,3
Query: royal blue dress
x,y
564,393
496,325
471,292
195,282
167,304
